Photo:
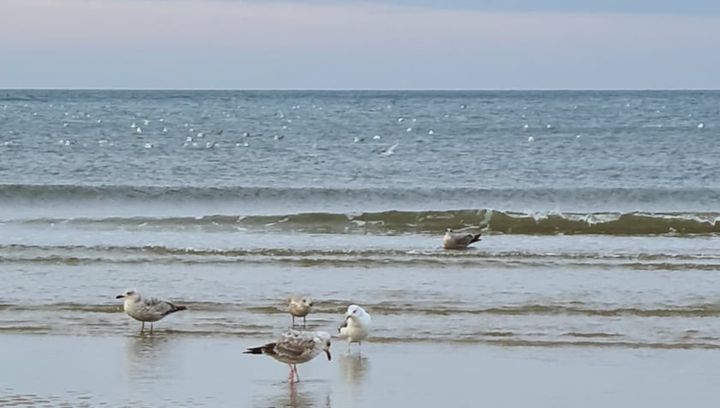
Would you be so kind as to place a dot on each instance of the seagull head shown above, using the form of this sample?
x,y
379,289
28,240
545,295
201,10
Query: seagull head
x,y
302,302
323,338
128,294
356,312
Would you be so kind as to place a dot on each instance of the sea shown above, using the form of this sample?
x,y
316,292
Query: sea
x,y
598,211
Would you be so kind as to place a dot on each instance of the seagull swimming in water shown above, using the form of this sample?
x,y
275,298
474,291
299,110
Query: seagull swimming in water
x,y
356,326
459,240
146,309
299,306
295,347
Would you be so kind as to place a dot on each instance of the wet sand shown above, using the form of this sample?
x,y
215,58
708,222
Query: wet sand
x,y
165,370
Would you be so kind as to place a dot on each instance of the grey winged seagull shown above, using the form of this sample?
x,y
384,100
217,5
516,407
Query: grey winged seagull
x,y
459,240
146,309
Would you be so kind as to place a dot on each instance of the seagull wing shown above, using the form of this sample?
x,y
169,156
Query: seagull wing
x,y
462,240
294,345
161,307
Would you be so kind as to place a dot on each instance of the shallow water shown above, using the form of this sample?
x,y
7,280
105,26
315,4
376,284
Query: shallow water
x,y
588,290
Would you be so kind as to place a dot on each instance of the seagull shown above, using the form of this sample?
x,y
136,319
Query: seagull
x,y
356,326
295,347
299,307
459,240
390,150
146,310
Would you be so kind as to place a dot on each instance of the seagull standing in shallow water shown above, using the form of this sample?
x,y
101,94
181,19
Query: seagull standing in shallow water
x,y
146,309
299,307
356,326
459,240
295,347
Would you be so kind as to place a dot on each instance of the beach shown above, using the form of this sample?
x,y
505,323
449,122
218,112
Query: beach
x,y
166,370
594,282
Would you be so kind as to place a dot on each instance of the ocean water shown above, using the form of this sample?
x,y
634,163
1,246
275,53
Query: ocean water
x,y
599,213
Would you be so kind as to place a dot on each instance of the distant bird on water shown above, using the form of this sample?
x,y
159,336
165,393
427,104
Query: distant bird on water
x,y
295,347
146,309
299,306
390,150
459,240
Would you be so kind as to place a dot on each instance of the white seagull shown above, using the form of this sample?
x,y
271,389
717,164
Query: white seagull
x,y
295,347
460,240
390,150
299,306
146,310
356,326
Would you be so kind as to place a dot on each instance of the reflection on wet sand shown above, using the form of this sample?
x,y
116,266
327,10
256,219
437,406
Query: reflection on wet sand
x,y
353,371
147,357
297,395
354,368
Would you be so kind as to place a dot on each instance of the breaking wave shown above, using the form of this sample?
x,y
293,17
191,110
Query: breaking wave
x,y
425,222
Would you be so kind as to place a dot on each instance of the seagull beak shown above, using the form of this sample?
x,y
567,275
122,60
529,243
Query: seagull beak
x,y
327,352
119,296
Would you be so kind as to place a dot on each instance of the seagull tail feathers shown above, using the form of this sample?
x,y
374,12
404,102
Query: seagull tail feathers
x,y
253,350
266,349
175,308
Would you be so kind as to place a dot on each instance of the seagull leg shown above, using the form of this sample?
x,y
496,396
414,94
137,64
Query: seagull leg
x,y
151,327
303,322
293,321
297,376
360,349
142,327
292,373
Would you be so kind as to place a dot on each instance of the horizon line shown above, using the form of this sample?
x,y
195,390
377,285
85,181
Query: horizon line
x,y
363,89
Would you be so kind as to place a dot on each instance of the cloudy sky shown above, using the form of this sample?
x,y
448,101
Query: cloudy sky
x,y
382,44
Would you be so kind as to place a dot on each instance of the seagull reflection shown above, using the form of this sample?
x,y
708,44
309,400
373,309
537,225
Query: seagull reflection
x,y
354,368
147,357
294,395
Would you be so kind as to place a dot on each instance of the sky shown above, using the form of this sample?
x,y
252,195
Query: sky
x,y
382,44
